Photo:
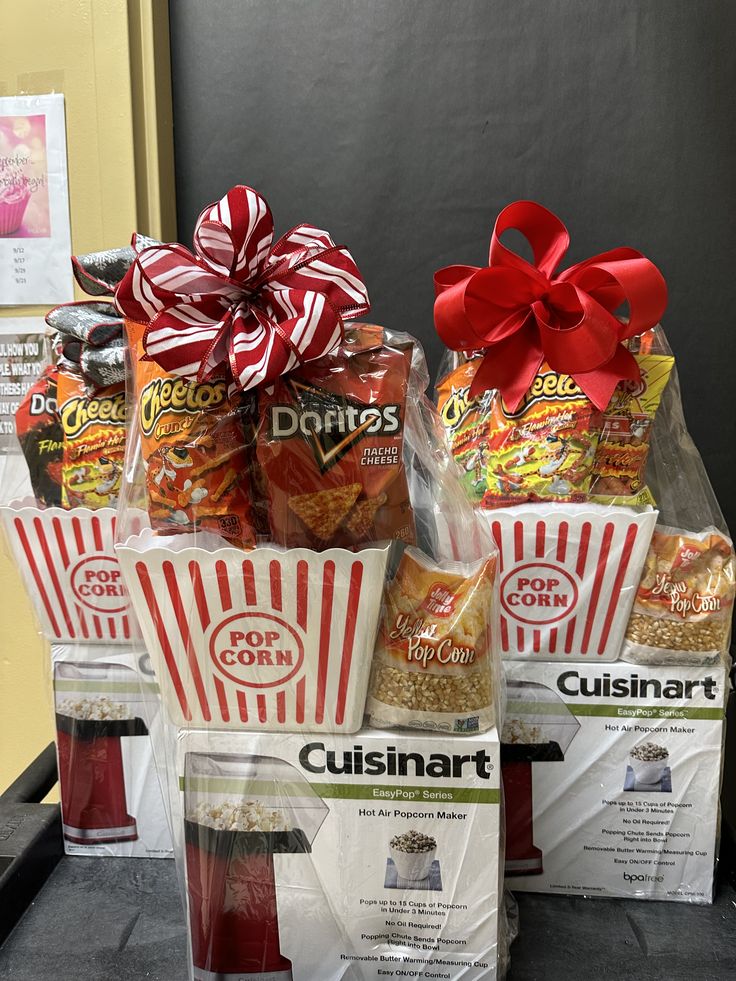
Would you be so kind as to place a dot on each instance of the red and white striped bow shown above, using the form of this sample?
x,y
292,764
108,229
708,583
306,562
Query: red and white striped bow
x,y
240,302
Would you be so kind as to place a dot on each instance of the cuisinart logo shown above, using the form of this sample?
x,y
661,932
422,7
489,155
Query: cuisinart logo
x,y
574,683
316,758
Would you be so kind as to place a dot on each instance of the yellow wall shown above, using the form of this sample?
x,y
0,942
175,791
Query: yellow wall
x,y
110,59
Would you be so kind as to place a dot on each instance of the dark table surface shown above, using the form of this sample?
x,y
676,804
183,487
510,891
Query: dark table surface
x,y
121,920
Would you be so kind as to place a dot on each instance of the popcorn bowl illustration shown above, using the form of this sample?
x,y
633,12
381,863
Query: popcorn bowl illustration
x,y
71,573
648,761
413,853
263,640
569,574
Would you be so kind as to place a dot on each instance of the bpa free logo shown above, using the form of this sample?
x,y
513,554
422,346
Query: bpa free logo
x,y
642,877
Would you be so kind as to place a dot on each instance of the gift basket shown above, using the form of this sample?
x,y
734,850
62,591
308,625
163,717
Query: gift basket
x,y
561,407
58,511
565,420
288,510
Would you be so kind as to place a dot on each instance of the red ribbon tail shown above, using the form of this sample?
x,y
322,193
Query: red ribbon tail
x,y
510,366
600,384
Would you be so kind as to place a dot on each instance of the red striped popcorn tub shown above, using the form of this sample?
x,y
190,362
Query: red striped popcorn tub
x,y
264,640
70,570
569,574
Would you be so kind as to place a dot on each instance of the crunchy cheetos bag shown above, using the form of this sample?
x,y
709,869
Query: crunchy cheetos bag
x,y
194,452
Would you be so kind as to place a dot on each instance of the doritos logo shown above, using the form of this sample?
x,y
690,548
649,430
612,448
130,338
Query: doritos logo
x,y
332,423
42,405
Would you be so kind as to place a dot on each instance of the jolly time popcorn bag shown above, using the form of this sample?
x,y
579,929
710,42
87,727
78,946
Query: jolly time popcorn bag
x,y
683,609
433,667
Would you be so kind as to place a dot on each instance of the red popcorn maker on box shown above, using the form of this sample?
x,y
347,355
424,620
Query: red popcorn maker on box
x,y
97,705
539,728
240,811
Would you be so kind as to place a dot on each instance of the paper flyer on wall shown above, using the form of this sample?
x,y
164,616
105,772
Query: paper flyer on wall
x,y
24,353
35,236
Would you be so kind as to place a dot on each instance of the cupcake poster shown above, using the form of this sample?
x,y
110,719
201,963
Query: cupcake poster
x,y
24,181
35,241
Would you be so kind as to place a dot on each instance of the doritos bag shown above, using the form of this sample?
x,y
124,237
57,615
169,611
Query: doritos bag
x,y
330,445
41,437
194,452
94,442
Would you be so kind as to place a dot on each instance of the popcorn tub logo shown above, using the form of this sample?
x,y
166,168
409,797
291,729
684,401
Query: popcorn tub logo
x,y
257,650
568,577
97,583
539,592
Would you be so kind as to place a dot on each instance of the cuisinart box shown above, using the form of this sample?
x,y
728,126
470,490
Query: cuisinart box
x,y
611,778
316,856
105,701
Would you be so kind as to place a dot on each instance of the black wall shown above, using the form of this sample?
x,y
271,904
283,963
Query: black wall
x,y
403,126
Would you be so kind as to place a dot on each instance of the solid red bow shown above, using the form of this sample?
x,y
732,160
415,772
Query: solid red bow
x,y
240,303
522,314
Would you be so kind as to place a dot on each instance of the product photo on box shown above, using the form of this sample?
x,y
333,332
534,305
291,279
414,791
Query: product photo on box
x,y
105,703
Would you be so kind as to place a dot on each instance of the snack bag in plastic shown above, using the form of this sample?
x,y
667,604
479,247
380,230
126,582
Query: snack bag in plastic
x,y
543,451
330,446
94,442
623,448
433,666
684,603
41,437
466,422
194,452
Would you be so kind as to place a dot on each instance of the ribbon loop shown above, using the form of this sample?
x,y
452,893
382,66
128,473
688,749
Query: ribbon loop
x,y
90,332
233,236
521,314
239,305
542,229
